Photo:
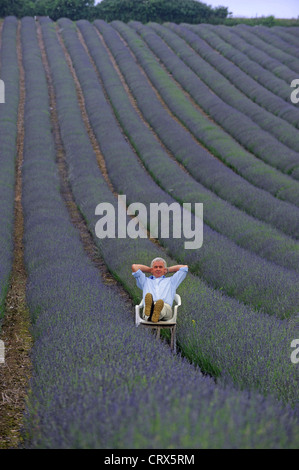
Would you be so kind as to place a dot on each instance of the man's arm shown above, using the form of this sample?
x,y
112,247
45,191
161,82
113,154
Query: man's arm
x,y
142,267
174,269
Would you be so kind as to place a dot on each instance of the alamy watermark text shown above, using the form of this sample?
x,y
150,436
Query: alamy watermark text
x,y
295,353
2,92
161,217
2,350
294,97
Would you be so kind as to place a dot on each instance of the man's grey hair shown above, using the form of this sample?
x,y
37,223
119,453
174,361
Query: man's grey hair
x,y
159,259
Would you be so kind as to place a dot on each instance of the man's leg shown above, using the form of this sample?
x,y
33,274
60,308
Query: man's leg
x,y
166,312
162,311
158,306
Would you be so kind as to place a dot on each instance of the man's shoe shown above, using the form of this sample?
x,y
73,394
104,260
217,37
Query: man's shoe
x,y
157,310
148,304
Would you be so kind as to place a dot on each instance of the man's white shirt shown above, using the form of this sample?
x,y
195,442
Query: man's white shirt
x,y
160,287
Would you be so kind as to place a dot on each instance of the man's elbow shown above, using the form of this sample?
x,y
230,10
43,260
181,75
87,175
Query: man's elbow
x,y
134,268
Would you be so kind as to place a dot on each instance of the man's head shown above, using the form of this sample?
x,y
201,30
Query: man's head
x,y
159,267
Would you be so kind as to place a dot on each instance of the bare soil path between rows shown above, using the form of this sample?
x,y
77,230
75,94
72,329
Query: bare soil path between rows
x,y
15,332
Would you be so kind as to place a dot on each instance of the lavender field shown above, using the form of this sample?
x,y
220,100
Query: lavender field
x,y
159,113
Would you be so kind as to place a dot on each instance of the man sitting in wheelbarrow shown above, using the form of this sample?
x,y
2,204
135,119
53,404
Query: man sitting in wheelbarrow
x,y
158,291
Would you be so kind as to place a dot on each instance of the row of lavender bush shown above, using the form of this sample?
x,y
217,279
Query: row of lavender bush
x,y
208,133
279,70
9,73
221,42
96,383
267,136
253,69
269,36
218,214
216,332
241,80
284,40
281,63
290,35
247,123
248,271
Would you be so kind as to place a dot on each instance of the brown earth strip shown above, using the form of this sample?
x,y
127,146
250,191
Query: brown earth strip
x,y
16,370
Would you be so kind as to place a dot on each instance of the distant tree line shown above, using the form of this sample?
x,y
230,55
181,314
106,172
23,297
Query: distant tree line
x,y
176,11
159,11
72,9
